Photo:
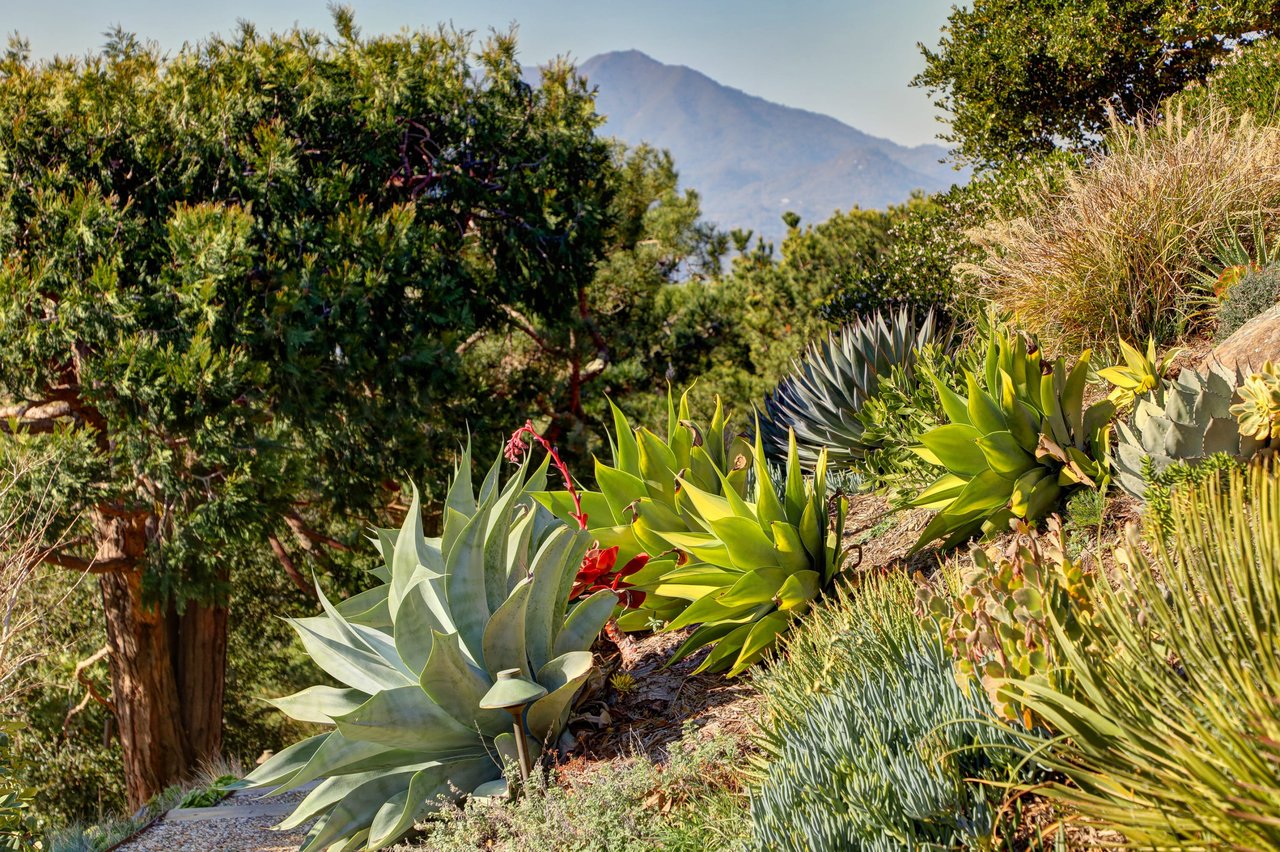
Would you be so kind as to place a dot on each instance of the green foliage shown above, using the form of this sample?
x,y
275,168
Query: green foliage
x,y
645,469
1186,420
417,654
869,742
1172,736
1107,257
1252,293
750,568
1247,79
1139,372
689,803
1258,411
905,406
18,824
1018,77
1020,440
209,795
1176,476
110,832
928,238
997,625
820,399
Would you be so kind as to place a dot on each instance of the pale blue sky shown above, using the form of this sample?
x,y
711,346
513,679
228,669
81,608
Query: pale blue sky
x,y
849,59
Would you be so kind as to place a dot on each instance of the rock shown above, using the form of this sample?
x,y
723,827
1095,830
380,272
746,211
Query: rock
x,y
1253,344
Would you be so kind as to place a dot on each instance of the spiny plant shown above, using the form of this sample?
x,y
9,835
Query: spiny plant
x,y
748,568
996,624
1021,439
1138,373
822,396
416,654
1173,738
1186,420
1258,411
646,467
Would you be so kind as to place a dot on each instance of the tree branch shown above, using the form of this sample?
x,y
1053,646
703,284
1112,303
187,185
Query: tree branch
x,y
289,568
91,691
308,536
87,566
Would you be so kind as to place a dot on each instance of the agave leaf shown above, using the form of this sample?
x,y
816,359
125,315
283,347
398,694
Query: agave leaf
x,y
1004,455
504,636
708,609
620,488
339,754
585,621
562,677
355,668
356,809
319,704
626,450
283,765
465,582
941,492
368,608
416,626
763,636
799,590
956,446
452,682
748,546
726,650
553,571
754,588
405,717
704,635
400,812
984,411
791,552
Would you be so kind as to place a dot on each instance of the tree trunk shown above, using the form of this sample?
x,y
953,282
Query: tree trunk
x,y
167,669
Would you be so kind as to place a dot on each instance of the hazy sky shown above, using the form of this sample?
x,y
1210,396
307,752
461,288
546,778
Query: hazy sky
x,y
848,58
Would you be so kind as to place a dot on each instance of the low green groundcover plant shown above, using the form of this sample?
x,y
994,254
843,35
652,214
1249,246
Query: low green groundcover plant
x,y
869,741
691,802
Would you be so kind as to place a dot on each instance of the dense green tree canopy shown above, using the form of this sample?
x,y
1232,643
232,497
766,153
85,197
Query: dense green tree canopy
x,y
237,289
1018,76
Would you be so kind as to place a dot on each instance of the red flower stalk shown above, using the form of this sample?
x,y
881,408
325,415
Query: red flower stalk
x,y
516,448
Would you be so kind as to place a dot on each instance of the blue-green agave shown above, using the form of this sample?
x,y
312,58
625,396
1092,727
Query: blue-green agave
x,y
416,653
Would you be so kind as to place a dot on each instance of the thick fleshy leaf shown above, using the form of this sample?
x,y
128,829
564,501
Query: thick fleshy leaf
x,y
553,571
416,625
464,583
399,813
562,677
584,622
353,667
763,636
407,718
319,704
956,446
284,765
504,637
357,808
451,681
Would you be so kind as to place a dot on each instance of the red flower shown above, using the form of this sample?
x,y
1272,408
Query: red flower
x,y
597,574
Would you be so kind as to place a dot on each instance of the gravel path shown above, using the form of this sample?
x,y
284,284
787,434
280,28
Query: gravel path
x,y
239,823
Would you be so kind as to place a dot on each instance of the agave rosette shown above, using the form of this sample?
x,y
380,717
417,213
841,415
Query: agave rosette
x,y
416,653
819,401
1020,440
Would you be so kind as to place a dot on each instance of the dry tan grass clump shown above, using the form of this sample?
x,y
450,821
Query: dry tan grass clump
x,y
1118,251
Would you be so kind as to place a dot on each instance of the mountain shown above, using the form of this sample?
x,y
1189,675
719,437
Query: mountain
x,y
750,159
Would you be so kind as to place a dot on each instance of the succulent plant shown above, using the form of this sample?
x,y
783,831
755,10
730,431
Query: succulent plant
x,y
417,654
646,467
821,398
999,625
1021,440
1186,420
1258,411
1138,374
748,569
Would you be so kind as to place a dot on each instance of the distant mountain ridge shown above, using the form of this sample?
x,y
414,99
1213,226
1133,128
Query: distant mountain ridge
x,y
750,159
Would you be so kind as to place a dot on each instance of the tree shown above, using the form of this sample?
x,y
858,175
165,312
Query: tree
x,y
613,338
1019,77
237,290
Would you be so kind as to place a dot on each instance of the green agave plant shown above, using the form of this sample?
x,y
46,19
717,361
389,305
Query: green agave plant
x,y
1020,440
1188,420
646,468
748,568
819,401
416,654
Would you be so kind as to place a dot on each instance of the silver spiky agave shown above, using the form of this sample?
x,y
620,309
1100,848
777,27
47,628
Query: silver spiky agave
x,y
1188,420
416,653
821,397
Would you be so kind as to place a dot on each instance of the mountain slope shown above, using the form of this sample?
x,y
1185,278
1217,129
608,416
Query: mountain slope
x,y
751,160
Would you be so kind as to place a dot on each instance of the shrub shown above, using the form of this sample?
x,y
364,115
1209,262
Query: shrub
x,y
868,740
1247,80
1172,737
1020,440
1114,253
1255,291
997,623
692,802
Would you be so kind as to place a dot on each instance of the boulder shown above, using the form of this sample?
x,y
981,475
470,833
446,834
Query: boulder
x,y
1253,344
